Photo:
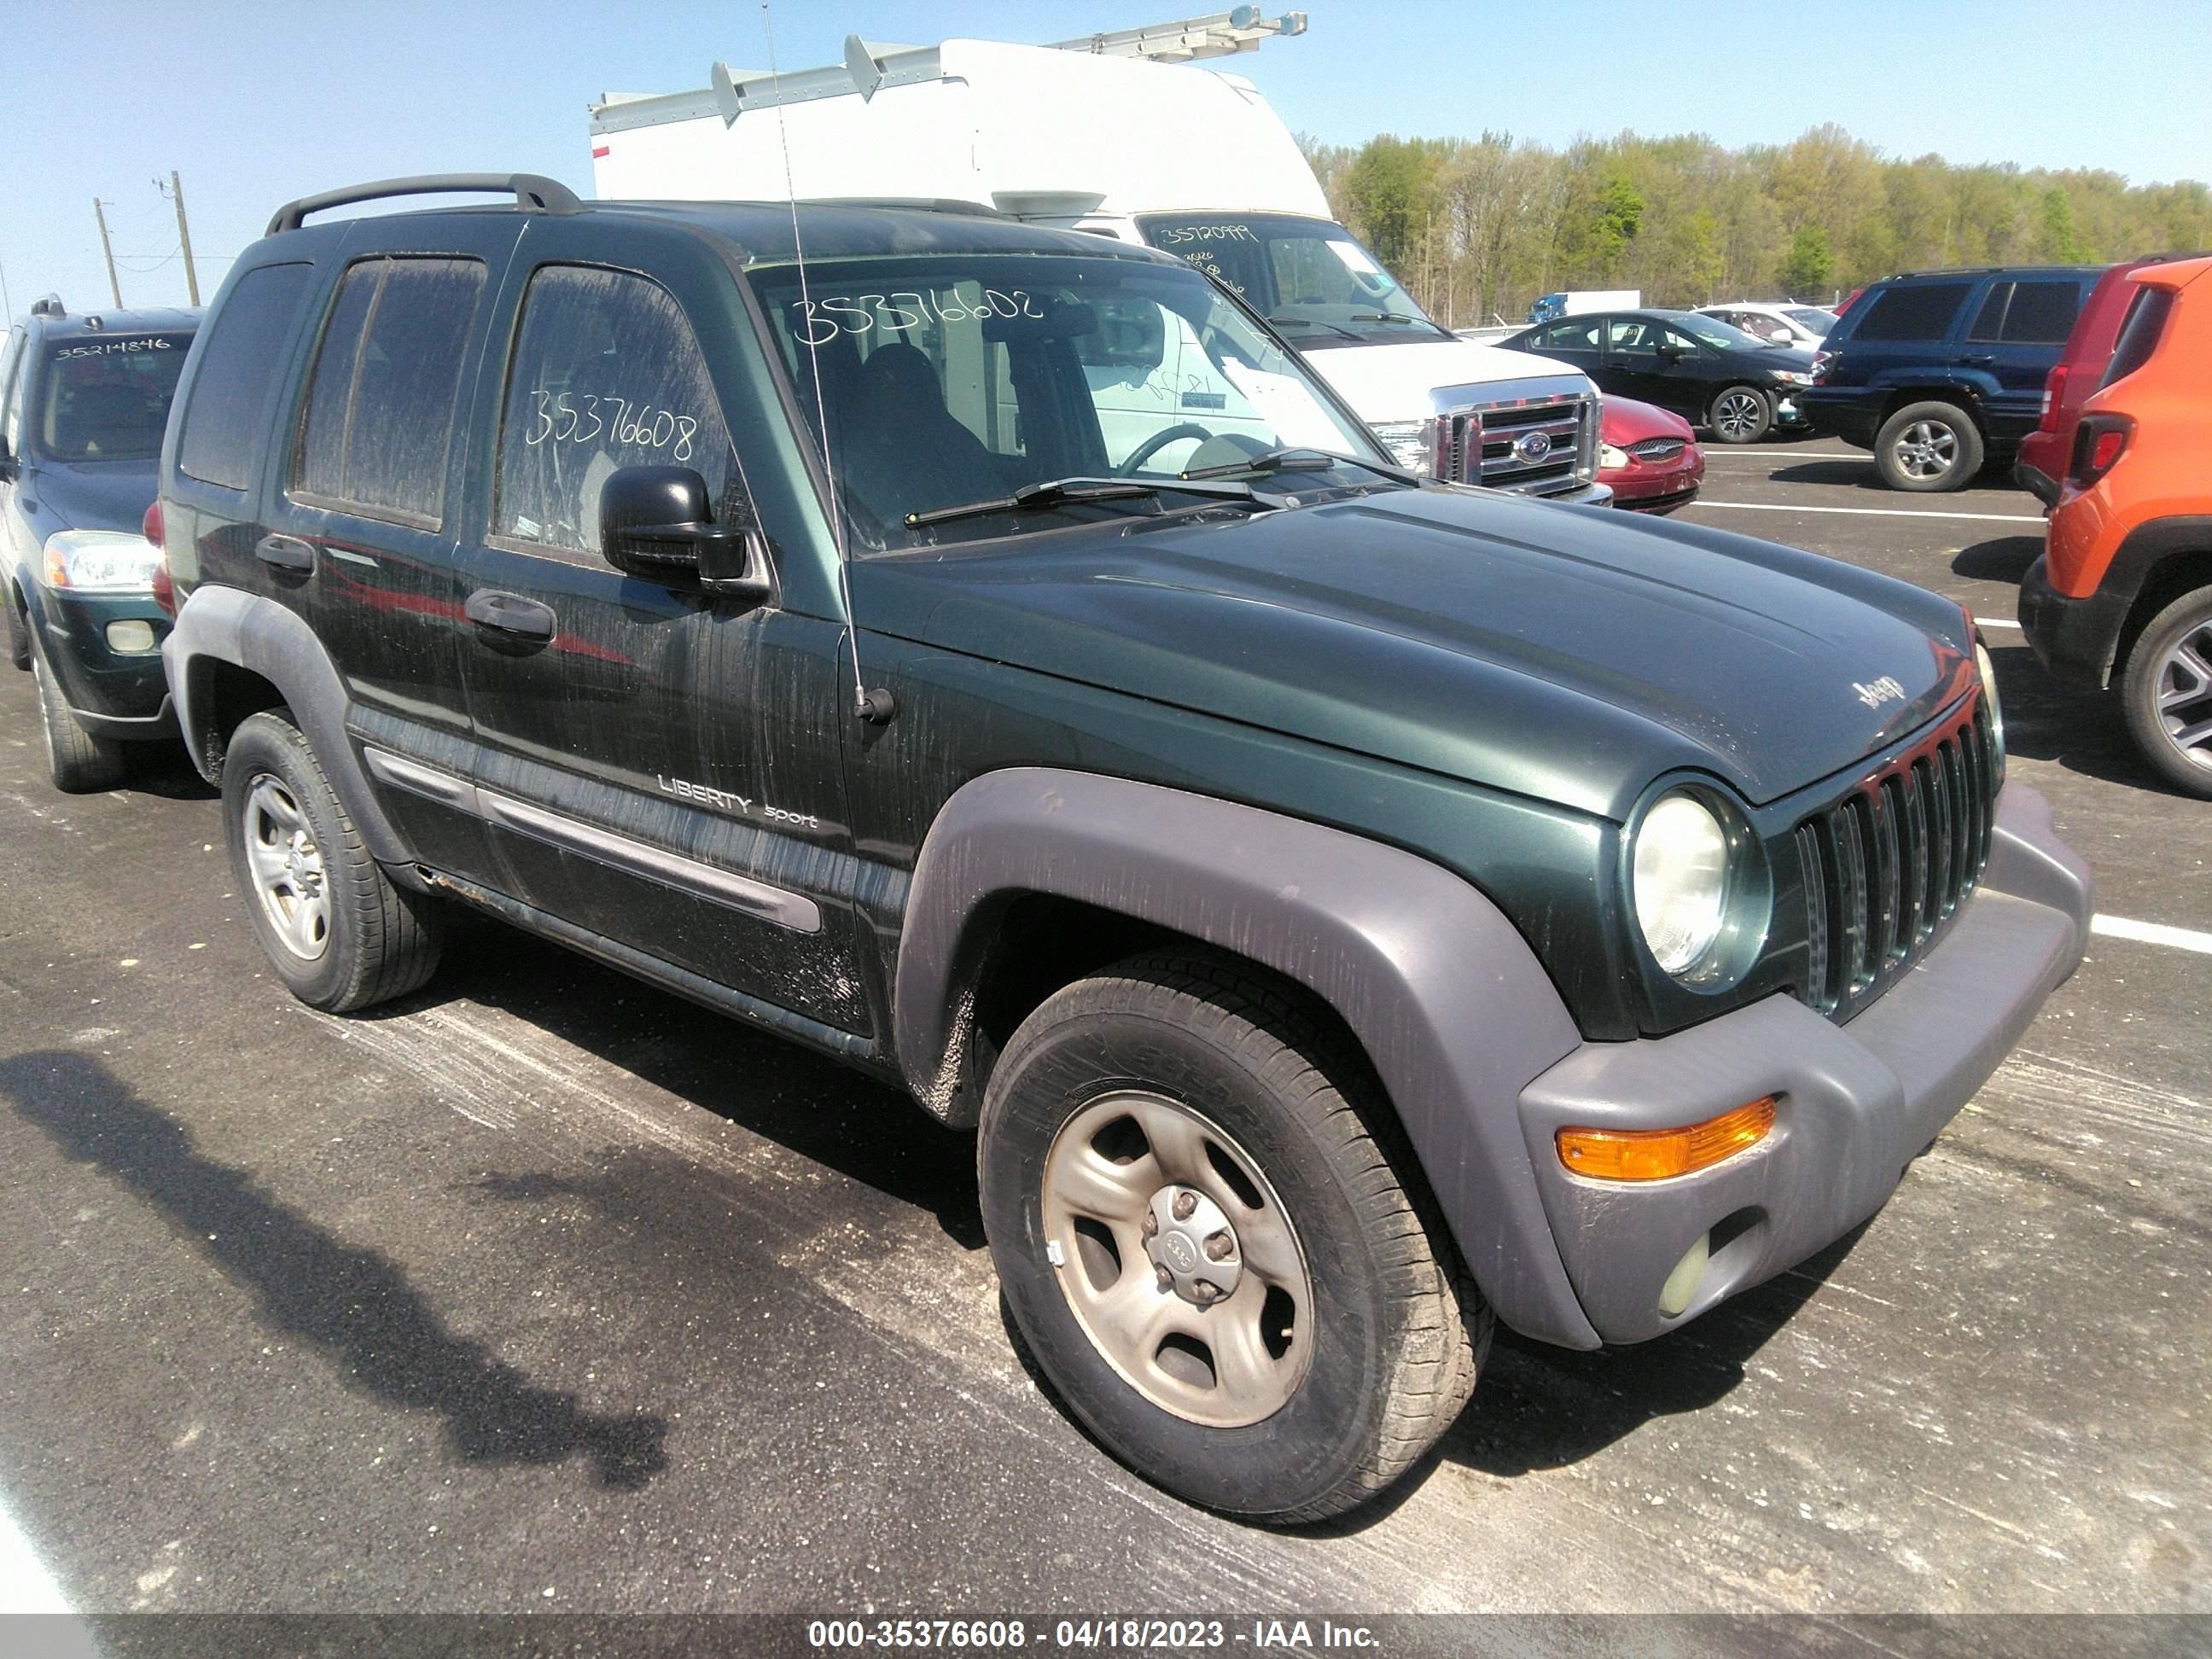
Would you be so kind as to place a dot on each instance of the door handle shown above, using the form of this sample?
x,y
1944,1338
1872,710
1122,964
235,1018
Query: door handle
x,y
510,613
1979,359
287,553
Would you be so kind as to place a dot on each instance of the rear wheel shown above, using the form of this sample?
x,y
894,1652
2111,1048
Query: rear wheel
x,y
1928,448
1214,1245
2167,692
338,933
78,763
1740,414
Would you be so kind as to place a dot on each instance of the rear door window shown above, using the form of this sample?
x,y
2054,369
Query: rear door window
x,y
1989,320
607,373
239,364
1912,312
379,413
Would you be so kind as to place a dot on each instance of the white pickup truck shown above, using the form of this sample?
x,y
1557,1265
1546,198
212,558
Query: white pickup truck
x,y
1116,136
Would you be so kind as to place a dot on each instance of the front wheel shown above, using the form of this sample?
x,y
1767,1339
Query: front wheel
x,y
1740,414
78,763
338,933
1210,1237
1928,448
2166,693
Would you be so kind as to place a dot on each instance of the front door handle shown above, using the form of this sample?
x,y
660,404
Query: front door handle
x,y
510,613
1979,359
287,553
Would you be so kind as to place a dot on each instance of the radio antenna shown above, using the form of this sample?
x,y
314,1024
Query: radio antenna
x,y
875,707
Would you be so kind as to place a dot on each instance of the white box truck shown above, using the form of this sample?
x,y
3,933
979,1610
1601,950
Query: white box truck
x,y
1117,135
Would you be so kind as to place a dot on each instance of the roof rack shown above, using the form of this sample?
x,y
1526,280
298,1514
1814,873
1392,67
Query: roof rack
x,y
914,203
872,65
533,193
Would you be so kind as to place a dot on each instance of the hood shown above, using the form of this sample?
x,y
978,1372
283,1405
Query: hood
x,y
1399,379
1568,654
88,495
1625,420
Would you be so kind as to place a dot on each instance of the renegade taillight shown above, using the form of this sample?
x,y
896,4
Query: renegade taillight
x,y
2099,442
2054,393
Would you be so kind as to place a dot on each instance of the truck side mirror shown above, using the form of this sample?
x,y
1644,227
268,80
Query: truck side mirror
x,y
8,469
655,522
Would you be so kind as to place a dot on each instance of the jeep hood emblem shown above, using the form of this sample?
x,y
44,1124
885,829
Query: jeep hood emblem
x,y
1878,692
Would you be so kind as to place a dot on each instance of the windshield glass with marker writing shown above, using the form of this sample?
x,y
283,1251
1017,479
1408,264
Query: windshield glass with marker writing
x,y
968,397
1307,276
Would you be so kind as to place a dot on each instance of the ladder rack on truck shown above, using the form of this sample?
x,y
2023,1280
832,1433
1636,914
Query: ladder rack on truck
x,y
872,65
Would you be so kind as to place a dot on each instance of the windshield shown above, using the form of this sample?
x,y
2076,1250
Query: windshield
x,y
1307,276
1715,333
957,378
1812,319
106,397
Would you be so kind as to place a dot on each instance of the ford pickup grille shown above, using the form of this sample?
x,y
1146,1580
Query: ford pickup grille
x,y
1887,867
1534,447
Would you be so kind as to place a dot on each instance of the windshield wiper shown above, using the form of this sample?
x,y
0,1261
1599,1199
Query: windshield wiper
x,y
1299,460
1314,322
1069,492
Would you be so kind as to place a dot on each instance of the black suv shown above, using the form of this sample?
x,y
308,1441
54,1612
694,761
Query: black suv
x,y
84,403
1940,371
1349,908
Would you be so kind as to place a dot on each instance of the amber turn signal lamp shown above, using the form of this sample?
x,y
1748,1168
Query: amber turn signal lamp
x,y
1657,1154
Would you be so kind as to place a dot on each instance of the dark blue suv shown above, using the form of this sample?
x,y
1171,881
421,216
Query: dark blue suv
x,y
1939,372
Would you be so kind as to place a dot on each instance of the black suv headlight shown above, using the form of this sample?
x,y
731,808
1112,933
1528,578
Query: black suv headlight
x,y
1702,894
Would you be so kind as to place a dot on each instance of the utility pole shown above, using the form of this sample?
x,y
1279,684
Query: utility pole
x,y
114,286
184,238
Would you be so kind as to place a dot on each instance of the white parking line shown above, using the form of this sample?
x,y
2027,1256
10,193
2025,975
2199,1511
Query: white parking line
x,y
1868,512
25,1586
1994,621
2152,933
1724,452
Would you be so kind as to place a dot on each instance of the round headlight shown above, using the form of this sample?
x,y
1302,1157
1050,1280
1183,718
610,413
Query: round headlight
x,y
1682,881
1989,694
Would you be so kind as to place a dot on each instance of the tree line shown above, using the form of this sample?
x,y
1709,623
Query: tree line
x,y
1479,227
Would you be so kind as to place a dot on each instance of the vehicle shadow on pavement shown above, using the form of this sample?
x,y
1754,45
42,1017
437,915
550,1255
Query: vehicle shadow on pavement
x,y
2081,730
164,769
353,1306
807,1103
2000,559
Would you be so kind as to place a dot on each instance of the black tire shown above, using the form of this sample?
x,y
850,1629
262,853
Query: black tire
x,y
1928,448
376,941
1397,1334
1740,414
77,762
19,632
2167,663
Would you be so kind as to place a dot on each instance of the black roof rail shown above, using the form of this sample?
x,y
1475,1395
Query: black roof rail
x,y
912,204
532,192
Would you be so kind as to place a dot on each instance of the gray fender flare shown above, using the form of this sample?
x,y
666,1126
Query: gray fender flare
x,y
227,624
1451,1005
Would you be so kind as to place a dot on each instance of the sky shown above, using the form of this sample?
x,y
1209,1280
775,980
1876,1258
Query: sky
x,y
256,104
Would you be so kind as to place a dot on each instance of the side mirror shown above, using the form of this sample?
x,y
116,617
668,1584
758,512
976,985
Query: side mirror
x,y
655,522
8,469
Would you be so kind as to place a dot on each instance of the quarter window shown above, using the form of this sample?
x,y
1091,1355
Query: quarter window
x,y
239,363
380,412
607,373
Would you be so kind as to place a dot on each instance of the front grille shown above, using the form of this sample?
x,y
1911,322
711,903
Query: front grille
x,y
1887,867
1658,449
1494,444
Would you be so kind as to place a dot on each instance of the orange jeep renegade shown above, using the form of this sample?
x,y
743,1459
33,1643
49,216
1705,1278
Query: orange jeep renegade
x,y
2124,590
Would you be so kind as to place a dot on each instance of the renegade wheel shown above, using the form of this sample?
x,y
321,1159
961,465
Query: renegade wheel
x,y
1215,1246
1740,414
78,763
2167,692
339,934
1927,448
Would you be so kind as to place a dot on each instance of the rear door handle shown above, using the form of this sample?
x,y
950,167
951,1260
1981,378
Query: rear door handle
x,y
1979,359
286,553
510,613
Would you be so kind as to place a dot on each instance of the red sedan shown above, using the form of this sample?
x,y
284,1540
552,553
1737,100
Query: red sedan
x,y
1650,457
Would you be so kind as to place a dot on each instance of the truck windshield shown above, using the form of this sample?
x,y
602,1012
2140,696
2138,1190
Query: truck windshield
x,y
955,380
1307,276
106,397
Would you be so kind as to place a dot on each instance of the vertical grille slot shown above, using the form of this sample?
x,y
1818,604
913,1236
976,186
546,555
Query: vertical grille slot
x,y
1888,864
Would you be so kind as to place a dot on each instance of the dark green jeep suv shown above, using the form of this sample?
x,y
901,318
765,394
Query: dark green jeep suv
x,y
1349,908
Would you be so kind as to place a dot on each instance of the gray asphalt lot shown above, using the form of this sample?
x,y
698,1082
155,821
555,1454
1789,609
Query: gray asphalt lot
x,y
544,1291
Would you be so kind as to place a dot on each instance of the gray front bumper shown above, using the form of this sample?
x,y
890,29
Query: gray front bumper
x,y
1857,1102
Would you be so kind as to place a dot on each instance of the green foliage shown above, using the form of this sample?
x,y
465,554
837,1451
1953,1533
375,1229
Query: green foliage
x,y
1478,228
